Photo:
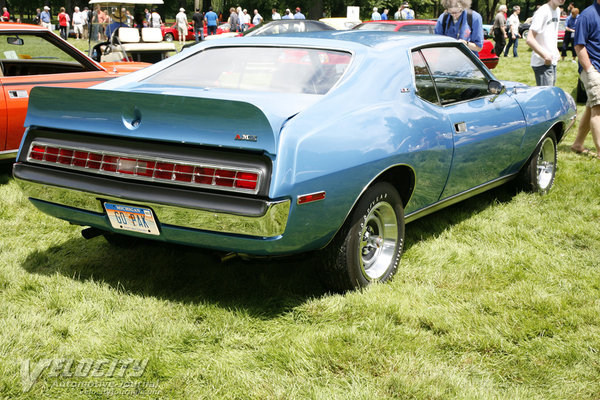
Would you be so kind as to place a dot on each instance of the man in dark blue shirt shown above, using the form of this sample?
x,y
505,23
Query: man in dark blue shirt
x,y
587,46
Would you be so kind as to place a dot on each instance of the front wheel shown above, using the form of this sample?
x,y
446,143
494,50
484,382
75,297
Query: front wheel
x,y
169,37
539,172
368,247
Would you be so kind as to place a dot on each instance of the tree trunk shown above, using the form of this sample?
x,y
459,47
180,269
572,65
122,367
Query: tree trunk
x,y
315,11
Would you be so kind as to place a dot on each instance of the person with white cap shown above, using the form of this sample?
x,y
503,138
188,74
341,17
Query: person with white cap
x,y
79,19
45,18
375,16
182,25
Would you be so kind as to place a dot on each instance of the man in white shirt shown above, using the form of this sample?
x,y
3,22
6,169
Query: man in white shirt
x,y
275,15
375,16
182,25
257,19
513,31
79,20
542,39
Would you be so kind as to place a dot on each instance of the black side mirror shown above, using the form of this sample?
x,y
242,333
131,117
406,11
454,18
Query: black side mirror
x,y
495,87
15,40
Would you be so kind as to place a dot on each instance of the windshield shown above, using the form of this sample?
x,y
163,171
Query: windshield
x,y
265,69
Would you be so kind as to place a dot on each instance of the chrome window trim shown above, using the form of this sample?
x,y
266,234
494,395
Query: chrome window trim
x,y
149,158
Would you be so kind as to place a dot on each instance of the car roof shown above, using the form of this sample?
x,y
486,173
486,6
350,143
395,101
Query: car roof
x,y
12,26
350,40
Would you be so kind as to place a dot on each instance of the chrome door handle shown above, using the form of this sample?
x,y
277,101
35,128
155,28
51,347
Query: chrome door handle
x,y
460,127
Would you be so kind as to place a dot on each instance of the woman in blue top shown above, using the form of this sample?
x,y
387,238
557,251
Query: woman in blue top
x,y
461,23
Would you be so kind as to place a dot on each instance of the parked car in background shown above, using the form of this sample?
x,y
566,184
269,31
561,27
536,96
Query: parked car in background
x,y
288,26
322,142
341,23
488,31
170,33
487,55
32,56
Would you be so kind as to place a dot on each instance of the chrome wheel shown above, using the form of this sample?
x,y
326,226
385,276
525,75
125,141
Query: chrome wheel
x,y
378,239
546,164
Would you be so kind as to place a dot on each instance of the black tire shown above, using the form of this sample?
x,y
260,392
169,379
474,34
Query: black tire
x,y
539,172
169,37
367,249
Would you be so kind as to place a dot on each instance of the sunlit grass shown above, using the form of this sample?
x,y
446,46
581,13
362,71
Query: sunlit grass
x,y
496,297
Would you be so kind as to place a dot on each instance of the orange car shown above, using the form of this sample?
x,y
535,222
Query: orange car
x,y
33,56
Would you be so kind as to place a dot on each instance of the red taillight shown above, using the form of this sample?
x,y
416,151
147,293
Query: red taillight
x,y
179,172
164,170
80,158
109,163
37,152
95,160
246,180
184,173
65,156
52,154
224,177
204,176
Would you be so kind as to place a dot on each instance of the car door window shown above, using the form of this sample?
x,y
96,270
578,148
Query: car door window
x,y
456,77
424,82
31,47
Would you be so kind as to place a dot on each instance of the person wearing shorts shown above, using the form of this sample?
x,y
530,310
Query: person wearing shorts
x,y
587,47
542,39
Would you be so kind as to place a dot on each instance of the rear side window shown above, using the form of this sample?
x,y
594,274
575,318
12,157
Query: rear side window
x,y
252,68
425,88
455,75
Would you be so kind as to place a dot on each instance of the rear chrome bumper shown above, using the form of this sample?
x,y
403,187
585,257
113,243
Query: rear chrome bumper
x,y
262,219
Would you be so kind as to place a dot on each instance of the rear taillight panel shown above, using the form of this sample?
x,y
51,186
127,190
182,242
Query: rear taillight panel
x,y
192,174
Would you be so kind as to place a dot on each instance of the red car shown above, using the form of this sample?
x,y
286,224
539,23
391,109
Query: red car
x,y
33,56
486,54
170,33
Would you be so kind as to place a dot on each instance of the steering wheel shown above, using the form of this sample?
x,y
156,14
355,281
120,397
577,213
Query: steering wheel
x,y
97,51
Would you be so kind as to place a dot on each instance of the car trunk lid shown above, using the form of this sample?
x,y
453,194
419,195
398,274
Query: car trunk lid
x,y
249,124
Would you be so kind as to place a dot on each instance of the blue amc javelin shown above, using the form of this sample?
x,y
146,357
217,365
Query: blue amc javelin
x,y
326,142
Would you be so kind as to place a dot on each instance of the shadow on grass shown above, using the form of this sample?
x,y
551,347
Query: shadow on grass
x,y
5,172
264,288
434,224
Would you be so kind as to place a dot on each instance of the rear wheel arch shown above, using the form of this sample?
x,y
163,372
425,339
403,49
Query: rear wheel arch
x,y
368,246
402,177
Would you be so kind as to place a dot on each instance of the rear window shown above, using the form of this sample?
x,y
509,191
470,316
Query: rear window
x,y
374,26
265,69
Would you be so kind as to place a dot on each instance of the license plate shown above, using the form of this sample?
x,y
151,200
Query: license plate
x,y
131,218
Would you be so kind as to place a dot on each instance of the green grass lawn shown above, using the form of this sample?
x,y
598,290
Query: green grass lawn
x,y
496,298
